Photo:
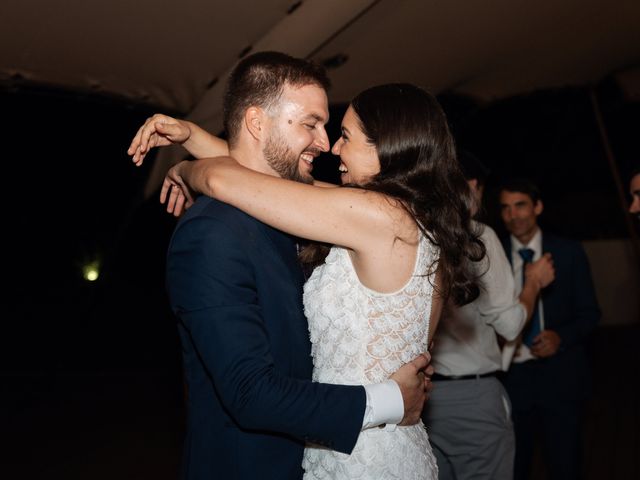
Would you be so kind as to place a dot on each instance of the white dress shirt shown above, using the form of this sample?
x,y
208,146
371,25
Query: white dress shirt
x,y
465,342
385,405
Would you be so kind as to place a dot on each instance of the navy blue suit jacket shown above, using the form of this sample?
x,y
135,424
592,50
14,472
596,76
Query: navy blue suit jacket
x,y
236,288
571,310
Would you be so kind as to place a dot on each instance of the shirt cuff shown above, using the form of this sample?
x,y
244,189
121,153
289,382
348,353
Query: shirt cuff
x,y
384,405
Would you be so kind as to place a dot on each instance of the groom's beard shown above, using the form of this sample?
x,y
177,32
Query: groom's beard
x,y
283,160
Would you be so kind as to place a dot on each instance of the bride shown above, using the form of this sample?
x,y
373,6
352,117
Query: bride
x,y
400,242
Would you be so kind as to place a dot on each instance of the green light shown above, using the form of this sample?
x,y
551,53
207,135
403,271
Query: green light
x,y
91,271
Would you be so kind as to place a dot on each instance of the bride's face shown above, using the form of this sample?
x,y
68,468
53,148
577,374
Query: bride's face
x,y
358,157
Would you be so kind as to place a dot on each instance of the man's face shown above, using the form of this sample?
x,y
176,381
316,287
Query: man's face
x,y
520,214
634,190
297,135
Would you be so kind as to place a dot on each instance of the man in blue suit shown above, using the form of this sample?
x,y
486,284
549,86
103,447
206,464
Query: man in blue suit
x,y
548,381
236,288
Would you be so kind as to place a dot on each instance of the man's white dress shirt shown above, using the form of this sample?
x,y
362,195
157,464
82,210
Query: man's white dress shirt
x,y
517,351
465,342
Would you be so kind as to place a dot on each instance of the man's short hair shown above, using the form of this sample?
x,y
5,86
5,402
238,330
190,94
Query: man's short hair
x,y
471,166
522,185
258,81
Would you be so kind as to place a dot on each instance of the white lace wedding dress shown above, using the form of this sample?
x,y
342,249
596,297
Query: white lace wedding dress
x,y
358,337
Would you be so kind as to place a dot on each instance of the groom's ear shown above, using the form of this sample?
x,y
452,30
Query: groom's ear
x,y
254,121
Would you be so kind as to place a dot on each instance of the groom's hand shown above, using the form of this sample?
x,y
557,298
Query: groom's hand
x,y
428,384
414,381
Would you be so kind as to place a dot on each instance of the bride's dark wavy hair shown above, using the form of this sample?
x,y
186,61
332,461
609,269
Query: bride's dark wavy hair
x,y
418,167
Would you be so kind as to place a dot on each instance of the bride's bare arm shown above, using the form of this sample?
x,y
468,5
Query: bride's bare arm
x,y
162,130
348,217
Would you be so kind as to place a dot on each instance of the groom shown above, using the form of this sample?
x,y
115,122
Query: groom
x,y
236,288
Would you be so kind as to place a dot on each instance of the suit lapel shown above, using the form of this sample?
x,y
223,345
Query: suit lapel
x,y
548,246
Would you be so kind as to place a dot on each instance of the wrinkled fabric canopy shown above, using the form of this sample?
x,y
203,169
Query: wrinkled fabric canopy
x,y
175,56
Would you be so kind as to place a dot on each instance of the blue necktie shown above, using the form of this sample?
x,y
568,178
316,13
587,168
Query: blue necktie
x,y
533,329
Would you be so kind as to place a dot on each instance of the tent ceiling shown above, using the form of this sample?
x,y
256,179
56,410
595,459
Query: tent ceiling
x,y
168,53
175,56
487,49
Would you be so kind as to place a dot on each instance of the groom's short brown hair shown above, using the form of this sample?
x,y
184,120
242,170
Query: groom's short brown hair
x,y
258,81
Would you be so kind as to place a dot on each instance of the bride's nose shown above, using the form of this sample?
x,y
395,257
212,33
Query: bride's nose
x,y
336,147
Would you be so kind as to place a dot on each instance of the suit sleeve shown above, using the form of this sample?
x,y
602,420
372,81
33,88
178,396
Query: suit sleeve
x,y
212,284
585,312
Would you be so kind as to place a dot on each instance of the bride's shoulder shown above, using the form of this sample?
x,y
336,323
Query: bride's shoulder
x,y
387,209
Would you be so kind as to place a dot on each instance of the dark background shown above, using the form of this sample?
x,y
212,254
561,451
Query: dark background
x,y
91,382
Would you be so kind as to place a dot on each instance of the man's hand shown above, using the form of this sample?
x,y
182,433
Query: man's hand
x,y
546,344
158,131
414,381
428,373
541,271
428,384
538,275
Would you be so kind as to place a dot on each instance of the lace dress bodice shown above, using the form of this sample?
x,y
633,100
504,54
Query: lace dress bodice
x,y
358,337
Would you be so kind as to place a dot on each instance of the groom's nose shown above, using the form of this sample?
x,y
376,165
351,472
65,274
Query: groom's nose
x,y
322,140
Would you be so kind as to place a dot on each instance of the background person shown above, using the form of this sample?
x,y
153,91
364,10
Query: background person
x,y
548,381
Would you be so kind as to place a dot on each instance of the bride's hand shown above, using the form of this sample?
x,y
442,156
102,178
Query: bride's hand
x,y
188,178
157,131
175,191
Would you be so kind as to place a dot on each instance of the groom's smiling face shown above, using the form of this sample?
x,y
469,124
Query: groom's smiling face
x,y
297,134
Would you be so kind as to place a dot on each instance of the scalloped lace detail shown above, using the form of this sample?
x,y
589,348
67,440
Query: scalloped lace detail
x,y
359,337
